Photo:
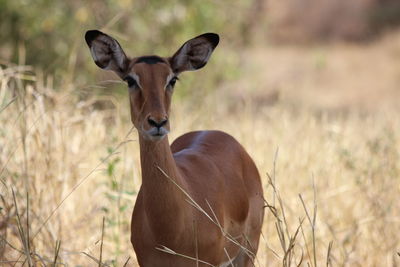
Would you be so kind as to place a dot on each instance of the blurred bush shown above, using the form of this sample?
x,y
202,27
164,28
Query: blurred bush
x,y
324,20
384,15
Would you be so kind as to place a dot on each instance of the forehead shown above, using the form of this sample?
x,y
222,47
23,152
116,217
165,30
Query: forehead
x,y
150,66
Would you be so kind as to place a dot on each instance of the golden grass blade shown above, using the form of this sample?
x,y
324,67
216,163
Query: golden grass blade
x,y
101,244
21,232
8,104
56,252
95,260
126,262
172,252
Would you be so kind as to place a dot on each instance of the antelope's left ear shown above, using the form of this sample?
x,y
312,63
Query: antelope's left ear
x,y
195,53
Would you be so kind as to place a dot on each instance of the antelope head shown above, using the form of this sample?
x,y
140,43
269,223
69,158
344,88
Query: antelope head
x,y
150,79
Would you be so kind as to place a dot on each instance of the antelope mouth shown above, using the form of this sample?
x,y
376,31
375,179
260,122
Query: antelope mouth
x,y
156,134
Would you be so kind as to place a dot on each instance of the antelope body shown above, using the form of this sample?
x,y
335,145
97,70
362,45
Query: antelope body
x,y
201,199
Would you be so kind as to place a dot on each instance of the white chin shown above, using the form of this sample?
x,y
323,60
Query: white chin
x,y
154,134
156,137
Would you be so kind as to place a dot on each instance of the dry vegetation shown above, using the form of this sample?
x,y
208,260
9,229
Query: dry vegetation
x,y
331,173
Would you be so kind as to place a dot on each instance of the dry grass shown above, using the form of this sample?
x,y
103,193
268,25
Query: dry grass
x,y
331,179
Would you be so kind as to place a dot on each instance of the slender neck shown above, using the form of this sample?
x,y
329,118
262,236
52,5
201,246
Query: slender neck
x,y
153,157
164,202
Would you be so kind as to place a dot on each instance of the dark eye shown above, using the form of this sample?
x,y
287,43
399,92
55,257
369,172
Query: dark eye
x,y
173,81
131,82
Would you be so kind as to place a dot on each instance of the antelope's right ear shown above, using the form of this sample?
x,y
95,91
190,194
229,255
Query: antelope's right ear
x,y
106,52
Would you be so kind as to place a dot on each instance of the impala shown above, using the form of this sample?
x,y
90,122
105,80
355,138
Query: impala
x,y
201,199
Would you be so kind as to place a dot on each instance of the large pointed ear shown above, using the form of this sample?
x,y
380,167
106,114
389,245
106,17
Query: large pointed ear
x,y
106,52
195,53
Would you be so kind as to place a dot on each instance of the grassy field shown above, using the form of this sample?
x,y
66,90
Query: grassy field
x,y
321,123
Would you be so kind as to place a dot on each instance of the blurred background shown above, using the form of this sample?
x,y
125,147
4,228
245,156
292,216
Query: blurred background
x,y
297,49
309,87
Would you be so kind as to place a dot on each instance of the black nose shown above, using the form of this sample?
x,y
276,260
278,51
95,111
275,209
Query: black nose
x,y
155,123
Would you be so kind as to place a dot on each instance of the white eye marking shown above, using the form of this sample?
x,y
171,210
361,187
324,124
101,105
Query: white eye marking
x,y
136,78
171,79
